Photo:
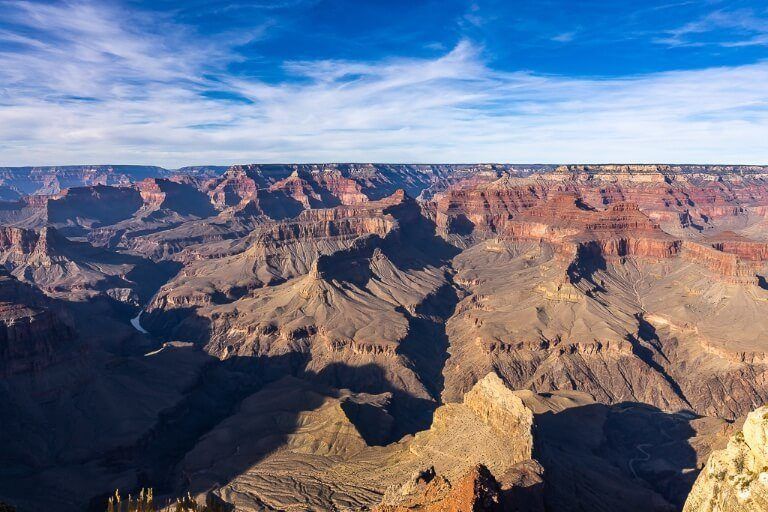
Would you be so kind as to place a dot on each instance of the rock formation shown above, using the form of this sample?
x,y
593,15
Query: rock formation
x,y
476,491
74,270
587,333
492,427
33,335
52,180
735,479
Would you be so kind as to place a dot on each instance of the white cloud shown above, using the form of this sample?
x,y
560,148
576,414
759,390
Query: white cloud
x,y
564,37
735,28
144,87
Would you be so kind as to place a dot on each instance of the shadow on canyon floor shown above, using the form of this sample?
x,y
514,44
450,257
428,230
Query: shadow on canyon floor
x,y
617,451
620,455
426,345
218,394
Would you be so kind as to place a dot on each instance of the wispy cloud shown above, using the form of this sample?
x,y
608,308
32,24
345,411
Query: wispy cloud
x,y
742,27
85,83
565,37
472,17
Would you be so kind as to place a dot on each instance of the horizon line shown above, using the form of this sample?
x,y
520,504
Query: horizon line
x,y
551,164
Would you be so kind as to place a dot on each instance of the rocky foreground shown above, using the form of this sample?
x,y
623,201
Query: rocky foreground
x,y
736,478
399,337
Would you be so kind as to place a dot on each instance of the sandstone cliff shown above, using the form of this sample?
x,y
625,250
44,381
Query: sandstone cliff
x,y
736,479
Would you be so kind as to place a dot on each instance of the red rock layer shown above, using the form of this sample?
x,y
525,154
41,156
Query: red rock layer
x,y
477,491
151,193
321,189
744,249
316,224
234,187
531,212
25,242
484,208
729,266
621,230
661,192
364,219
564,212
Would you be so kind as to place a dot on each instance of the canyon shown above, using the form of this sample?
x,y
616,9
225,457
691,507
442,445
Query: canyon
x,y
385,337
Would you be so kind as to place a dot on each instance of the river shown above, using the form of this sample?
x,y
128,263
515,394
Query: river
x,y
136,323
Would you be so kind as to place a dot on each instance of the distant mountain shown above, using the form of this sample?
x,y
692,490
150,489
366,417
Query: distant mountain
x,y
19,181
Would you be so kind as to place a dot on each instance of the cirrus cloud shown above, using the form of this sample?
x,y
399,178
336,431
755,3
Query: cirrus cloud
x,y
87,82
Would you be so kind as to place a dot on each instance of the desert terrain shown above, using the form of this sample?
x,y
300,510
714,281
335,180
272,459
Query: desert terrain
x,y
385,337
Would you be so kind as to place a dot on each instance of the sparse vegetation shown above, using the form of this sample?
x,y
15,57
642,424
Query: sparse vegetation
x,y
145,502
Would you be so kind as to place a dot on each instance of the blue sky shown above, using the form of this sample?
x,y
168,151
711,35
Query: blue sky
x,y
195,82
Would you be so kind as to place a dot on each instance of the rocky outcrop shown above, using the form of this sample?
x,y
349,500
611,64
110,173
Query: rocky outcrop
x,y
99,205
25,242
32,334
327,185
326,223
74,270
491,400
356,281
234,187
729,266
735,479
321,189
492,429
181,197
274,252
681,197
502,415
476,491
745,249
